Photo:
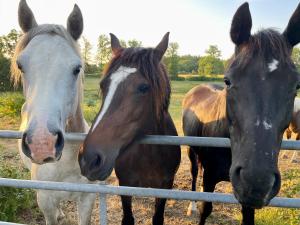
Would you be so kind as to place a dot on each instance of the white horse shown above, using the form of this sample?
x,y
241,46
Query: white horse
x,y
47,60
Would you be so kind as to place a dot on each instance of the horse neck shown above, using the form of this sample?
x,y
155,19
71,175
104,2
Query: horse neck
x,y
158,126
77,123
219,105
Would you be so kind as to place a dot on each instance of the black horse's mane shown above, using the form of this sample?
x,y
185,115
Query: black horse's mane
x,y
266,44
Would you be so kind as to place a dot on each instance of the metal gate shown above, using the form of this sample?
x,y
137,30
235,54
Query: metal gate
x,y
105,190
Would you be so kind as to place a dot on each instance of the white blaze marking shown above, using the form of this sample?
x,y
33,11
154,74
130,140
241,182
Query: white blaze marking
x,y
257,123
115,79
273,65
267,125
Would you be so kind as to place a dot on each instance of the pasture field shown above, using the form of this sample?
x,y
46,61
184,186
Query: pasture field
x,y
21,205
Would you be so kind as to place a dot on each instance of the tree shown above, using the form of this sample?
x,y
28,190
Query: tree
x,y
5,84
123,43
208,65
213,51
188,64
7,46
211,64
103,50
172,58
296,57
86,51
134,43
8,43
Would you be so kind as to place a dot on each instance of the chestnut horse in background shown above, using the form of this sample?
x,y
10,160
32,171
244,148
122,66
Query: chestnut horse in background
x,y
253,110
293,131
136,93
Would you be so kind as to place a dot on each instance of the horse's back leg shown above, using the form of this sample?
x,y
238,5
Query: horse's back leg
x,y
295,153
85,205
158,218
194,171
49,206
128,218
209,184
248,215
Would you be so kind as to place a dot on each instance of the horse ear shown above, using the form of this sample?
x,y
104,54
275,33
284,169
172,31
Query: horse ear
x,y
75,23
292,32
162,47
115,44
241,25
25,17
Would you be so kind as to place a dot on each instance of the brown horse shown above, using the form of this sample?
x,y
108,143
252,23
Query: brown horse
x,y
253,110
294,130
136,92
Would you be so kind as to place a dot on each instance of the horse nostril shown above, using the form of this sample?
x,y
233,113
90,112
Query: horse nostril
x,y
49,159
237,172
96,163
59,145
25,146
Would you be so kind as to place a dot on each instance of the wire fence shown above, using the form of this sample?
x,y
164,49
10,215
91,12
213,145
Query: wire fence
x,y
105,190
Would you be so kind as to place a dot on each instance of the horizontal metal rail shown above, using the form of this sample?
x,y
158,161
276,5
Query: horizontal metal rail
x,y
164,140
105,190
7,223
140,192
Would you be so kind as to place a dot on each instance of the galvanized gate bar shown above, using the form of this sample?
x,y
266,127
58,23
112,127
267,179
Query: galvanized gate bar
x,y
102,209
7,223
140,192
164,140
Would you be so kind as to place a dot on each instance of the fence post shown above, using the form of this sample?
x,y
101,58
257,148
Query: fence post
x,y
102,209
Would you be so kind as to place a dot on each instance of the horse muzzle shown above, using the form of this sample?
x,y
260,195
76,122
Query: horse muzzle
x,y
42,146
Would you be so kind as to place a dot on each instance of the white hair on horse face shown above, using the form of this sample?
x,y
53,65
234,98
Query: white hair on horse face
x,y
273,65
267,125
115,79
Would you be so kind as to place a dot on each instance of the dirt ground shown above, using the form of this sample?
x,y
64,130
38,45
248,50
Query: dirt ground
x,y
175,213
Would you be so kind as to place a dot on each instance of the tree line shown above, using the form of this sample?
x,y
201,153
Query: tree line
x,y
211,63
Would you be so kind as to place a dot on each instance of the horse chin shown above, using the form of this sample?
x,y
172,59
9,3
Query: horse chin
x,y
254,203
101,175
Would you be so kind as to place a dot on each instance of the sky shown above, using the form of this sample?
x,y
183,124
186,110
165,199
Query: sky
x,y
193,24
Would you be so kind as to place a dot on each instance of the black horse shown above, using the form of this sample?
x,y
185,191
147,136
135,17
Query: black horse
x,y
253,110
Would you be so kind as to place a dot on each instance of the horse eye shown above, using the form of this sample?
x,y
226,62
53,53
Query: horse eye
x,y
298,86
76,70
19,66
227,81
143,88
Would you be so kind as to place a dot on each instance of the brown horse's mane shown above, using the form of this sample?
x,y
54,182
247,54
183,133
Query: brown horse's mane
x,y
145,60
265,44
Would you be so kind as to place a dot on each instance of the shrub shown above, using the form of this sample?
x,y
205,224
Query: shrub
x,y
204,78
5,84
90,112
14,200
177,78
11,104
